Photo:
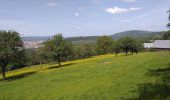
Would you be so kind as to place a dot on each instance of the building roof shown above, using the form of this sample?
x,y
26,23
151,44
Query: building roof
x,y
148,45
162,44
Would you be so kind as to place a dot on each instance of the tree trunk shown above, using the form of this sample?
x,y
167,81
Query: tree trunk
x,y
41,64
59,62
116,53
51,62
3,72
126,53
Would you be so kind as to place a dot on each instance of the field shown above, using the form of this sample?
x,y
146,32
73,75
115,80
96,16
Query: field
x,y
144,76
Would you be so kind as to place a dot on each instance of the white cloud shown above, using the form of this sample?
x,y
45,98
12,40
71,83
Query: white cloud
x,y
117,10
126,21
51,4
76,14
129,1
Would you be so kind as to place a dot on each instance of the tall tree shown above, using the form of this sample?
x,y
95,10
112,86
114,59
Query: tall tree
x,y
59,48
117,47
135,46
125,43
104,44
166,35
169,19
49,49
41,52
129,44
10,47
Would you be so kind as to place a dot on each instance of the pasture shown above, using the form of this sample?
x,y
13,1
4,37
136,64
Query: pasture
x,y
144,76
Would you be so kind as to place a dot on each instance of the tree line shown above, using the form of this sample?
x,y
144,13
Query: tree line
x,y
13,55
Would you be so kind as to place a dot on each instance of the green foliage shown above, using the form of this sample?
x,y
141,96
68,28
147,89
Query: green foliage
x,y
166,35
32,57
104,44
58,49
48,48
87,38
20,61
116,47
11,46
84,50
128,44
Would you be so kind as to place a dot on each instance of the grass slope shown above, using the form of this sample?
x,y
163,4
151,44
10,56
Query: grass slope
x,y
99,78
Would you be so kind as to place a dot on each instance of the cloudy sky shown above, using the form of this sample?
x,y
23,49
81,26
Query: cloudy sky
x,y
82,17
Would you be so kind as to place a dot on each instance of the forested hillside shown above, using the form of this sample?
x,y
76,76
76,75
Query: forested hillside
x,y
132,33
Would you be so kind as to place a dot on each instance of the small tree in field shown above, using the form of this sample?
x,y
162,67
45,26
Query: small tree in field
x,y
49,51
117,47
125,43
59,49
10,47
84,50
41,53
135,46
104,44
129,44
166,35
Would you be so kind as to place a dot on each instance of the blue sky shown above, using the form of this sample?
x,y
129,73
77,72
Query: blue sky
x,y
82,17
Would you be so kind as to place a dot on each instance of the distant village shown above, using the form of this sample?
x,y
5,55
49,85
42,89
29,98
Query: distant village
x,y
33,44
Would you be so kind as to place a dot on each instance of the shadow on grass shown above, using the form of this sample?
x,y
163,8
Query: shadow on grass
x,y
64,65
19,76
159,90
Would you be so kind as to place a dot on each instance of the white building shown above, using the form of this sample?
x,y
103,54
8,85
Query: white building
x,y
158,44
148,45
161,44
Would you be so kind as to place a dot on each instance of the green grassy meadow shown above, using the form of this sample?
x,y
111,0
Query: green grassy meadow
x,y
145,76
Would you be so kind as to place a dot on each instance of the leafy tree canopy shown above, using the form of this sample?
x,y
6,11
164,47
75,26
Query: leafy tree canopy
x,y
11,46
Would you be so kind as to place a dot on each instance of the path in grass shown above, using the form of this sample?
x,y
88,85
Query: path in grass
x,y
100,78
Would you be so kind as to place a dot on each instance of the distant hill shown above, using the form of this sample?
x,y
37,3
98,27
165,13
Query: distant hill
x,y
135,34
85,38
132,33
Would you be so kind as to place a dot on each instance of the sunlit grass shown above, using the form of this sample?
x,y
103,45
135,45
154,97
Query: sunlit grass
x,y
104,77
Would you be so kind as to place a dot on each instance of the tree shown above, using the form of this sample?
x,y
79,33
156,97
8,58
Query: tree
x,y
104,44
58,48
49,51
135,46
10,47
166,35
169,19
20,61
32,57
41,52
117,47
84,50
130,44
126,43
